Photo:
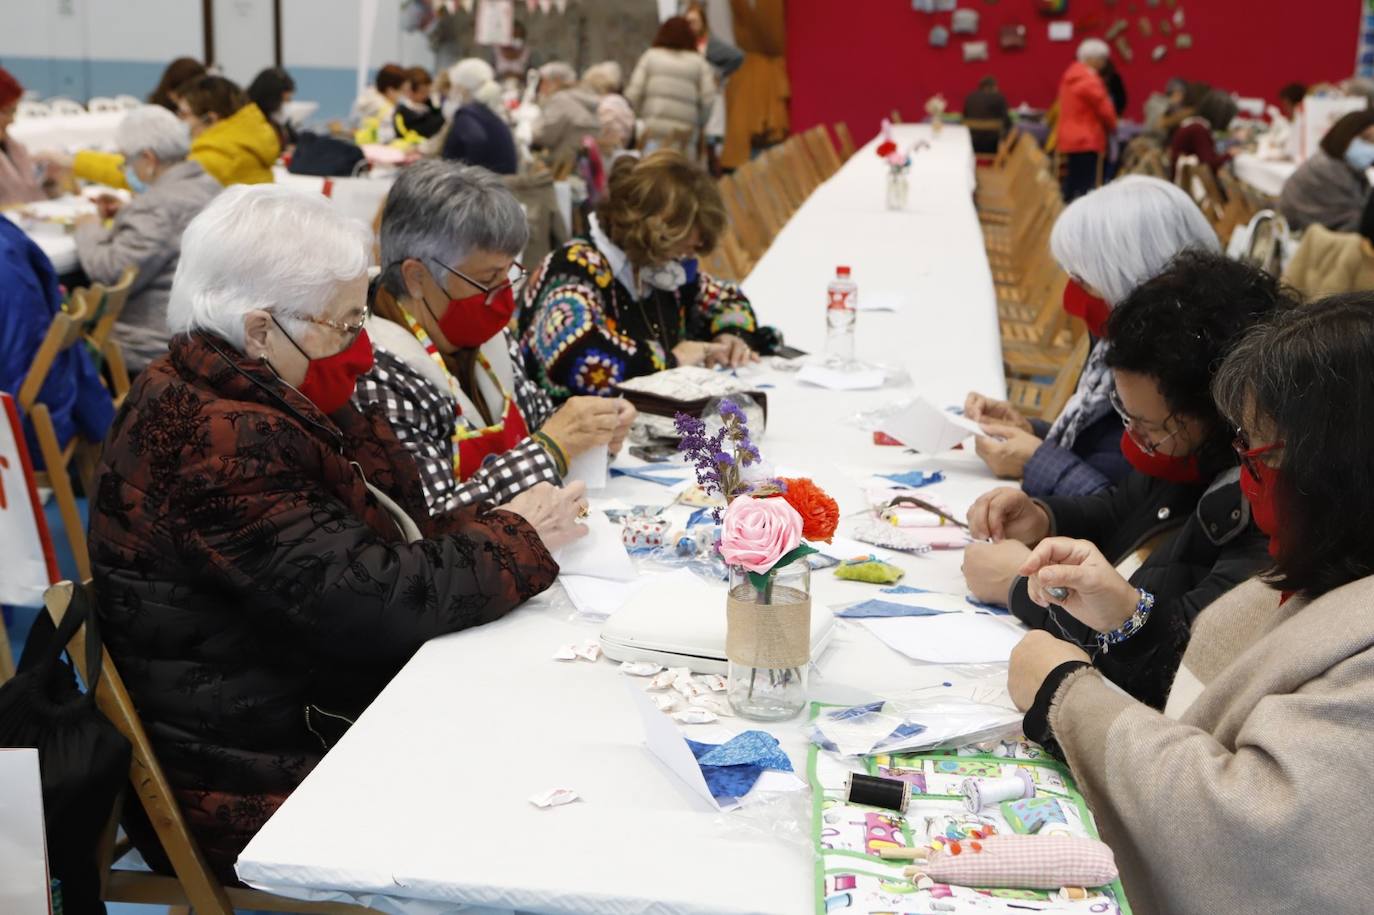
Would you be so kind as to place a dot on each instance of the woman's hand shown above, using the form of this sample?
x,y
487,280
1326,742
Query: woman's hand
x,y
732,352
553,512
694,352
982,409
1008,514
990,568
624,419
1006,449
1033,659
1098,596
583,423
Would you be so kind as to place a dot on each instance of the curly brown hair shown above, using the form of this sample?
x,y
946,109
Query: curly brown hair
x,y
654,203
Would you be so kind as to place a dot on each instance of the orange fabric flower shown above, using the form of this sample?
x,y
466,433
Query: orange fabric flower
x,y
820,513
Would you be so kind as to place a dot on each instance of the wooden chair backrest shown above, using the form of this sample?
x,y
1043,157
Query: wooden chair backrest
x,y
64,333
822,151
108,305
847,147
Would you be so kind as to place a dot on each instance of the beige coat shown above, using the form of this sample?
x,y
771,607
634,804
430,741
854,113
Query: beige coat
x,y
672,91
1327,263
1247,794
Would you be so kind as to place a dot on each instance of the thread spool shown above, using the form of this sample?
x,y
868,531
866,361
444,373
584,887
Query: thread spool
x,y
981,793
1058,593
876,791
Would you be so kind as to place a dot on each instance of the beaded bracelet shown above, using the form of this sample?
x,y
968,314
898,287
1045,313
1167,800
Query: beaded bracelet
x,y
1134,624
560,457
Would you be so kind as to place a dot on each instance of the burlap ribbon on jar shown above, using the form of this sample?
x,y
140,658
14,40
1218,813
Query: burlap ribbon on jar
x,y
769,636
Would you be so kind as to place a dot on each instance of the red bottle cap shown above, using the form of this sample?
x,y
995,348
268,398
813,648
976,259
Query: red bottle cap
x,y
842,271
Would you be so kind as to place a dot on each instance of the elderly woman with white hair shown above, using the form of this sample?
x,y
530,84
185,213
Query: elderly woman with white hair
x,y
1087,118
448,372
477,134
169,191
264,560
1108,242
567,112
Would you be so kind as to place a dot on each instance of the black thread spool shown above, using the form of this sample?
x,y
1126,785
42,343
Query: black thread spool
x,y
876,791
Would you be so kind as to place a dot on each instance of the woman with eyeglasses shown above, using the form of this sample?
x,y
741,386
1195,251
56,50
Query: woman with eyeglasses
x,y
1181,503
264,559
448,373
1242,794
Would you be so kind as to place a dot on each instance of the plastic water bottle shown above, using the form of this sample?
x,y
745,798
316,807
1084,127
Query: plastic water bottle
x,y
841,308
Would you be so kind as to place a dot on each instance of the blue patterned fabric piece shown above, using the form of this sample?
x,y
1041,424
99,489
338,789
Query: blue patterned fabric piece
x,y
915,479
651,475
877,609
732,768
904,589
990,608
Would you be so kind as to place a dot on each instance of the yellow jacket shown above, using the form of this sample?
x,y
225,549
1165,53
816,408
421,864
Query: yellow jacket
x,y
237,150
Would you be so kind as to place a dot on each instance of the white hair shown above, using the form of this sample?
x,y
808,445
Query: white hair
x,y
260,246
1092,48
560,71
604,77
1125,233
153,128
470,74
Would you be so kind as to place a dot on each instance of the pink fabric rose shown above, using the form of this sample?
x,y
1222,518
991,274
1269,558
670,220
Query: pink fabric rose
x,y
756,533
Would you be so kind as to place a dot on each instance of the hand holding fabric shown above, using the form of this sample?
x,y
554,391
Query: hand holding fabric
x,y
1008,514
1006,449
980,408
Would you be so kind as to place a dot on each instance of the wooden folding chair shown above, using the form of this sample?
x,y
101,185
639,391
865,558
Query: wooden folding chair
x,y
822,151
64,333
847,147
193,884
748,224
104,307
1037,399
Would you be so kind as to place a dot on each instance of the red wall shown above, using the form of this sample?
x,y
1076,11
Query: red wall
x,y
856,60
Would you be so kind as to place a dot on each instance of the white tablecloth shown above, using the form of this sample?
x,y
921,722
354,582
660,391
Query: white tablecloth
x,y
1264,175
360,198
68,132
423,805
48,224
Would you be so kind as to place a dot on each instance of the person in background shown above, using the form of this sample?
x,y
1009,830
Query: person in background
x,y
567,112
723,56
448,371
1162,108
169,190
1184,503
476,134
604,78
230,138
512,62
1116,87
374,111
1328,263
1290,99
263,554
1211,113
416,112
630,299
178,73
1108,242
1269,715
987,103
1086,119
29,299
617,126
673,87
1331,187
270,90
20,178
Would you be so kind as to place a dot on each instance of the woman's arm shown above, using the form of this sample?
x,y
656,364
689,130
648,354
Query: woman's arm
x,y
571,350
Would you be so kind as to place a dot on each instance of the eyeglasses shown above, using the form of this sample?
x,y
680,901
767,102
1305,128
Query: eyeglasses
x,y
515,274
1131,423
349,329
1248,455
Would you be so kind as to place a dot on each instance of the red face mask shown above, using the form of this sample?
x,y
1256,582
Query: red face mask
x,y
329,382
1159,465
1261,493
1094,311
471,321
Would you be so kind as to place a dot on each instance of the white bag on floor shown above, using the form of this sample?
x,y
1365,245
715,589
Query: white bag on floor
x,y
23,849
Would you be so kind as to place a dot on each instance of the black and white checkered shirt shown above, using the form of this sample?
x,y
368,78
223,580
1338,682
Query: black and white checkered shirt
x,y
422,416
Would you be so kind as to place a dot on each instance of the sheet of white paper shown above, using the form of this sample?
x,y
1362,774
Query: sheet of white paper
x,y
23,862
590,467
882,301
600,554
598,598
666,742
945,603
843,548
927,428
839,380
951,638
1061,31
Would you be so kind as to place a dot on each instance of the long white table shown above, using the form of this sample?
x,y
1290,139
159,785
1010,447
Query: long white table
x,y
68,132
1264,175
422,807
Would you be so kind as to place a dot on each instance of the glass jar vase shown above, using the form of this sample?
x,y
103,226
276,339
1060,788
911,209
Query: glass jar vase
x,y
898,189
768,641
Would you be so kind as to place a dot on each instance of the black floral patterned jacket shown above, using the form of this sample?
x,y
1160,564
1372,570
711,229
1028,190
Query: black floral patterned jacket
x,y
255,595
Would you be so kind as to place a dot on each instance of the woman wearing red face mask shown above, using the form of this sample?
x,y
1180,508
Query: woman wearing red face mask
x,y
1269,715
1183,497
448,373
1108,242
264,559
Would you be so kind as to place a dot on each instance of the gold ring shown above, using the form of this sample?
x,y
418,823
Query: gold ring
x,y
583,511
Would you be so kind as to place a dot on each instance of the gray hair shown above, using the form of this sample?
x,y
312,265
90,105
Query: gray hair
x,y
1092,48
558,70
1125,233
153,128
440,212
261,246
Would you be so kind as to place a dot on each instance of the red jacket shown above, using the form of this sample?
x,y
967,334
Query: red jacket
x,y
1086,113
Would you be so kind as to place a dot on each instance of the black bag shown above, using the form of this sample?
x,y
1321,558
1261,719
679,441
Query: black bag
x,y
83,760
327,157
